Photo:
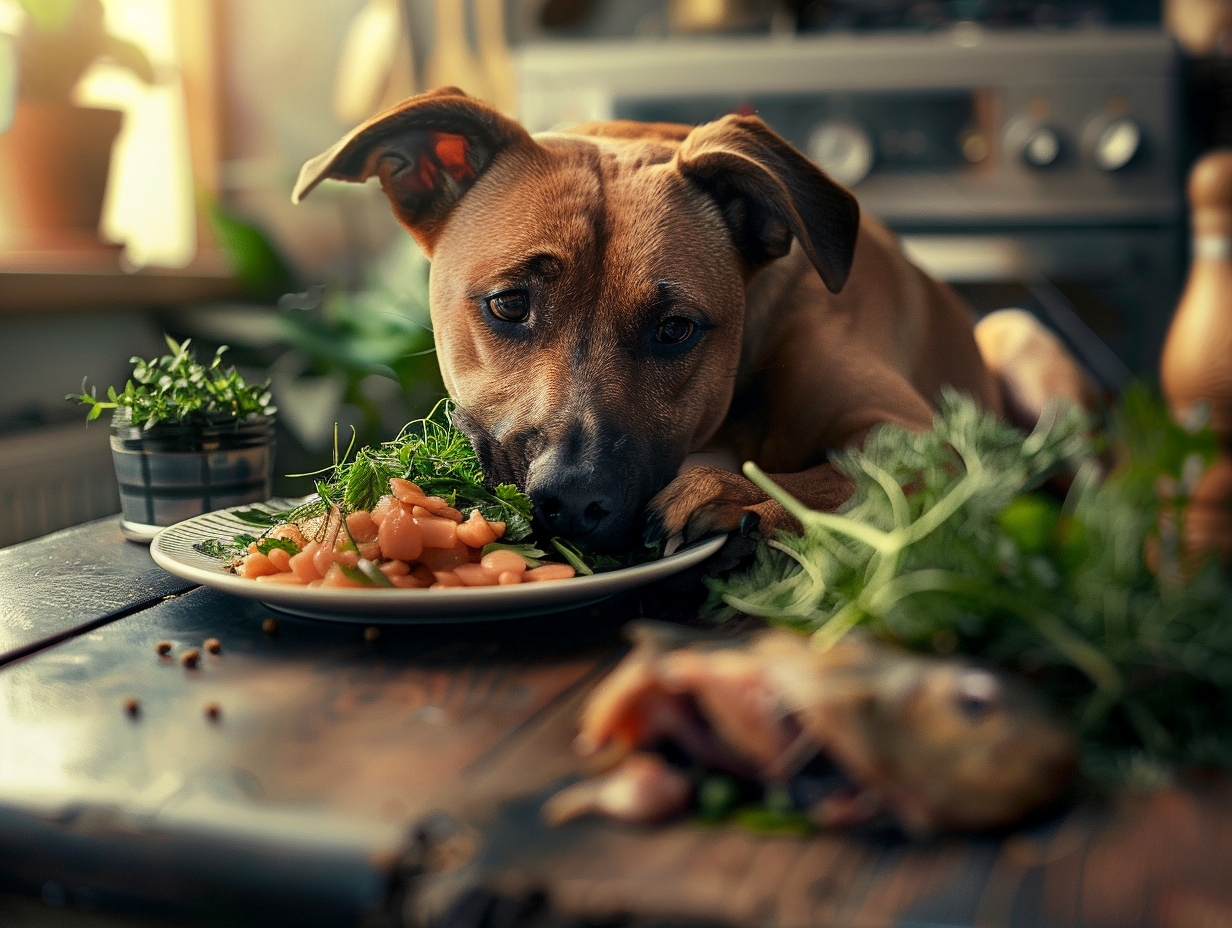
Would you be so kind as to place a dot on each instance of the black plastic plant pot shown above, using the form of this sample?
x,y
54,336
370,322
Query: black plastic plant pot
x,y
173,471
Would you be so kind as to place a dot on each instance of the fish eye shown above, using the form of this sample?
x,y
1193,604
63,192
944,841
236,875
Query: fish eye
x,y
977,694
675,330
509,305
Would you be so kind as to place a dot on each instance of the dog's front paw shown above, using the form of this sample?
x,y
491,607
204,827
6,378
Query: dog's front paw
x,y
708,501
705,501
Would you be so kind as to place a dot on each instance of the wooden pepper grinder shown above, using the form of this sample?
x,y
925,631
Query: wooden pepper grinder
x,y
1197,360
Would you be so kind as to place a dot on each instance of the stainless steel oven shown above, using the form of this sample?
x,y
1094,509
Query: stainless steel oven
x,y
1028,167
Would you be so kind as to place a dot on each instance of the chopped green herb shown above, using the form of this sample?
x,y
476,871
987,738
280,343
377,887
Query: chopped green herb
x,y
639,555
720,801
365,572
213,547
225,550
763,821
717,795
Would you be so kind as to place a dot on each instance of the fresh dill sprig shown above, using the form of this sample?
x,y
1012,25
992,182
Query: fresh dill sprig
x,y
947,546
225,549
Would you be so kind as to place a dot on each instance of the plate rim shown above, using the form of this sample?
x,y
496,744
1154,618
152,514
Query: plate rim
x,y
481,604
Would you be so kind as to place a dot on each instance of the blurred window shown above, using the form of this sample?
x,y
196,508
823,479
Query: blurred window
x,y
149,205
149,201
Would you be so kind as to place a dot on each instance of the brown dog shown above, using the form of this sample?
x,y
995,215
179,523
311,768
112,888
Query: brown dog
x,y
614,298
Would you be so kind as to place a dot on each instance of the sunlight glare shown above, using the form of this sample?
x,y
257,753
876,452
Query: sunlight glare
x,y
149,205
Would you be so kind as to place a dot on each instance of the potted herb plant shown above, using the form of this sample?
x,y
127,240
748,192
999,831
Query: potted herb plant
x,y
56,155
186,438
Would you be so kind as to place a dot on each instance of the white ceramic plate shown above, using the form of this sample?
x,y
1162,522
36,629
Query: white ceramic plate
x,y
173,550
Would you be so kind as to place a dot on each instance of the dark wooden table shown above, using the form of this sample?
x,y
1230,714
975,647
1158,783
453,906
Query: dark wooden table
x,y
398,781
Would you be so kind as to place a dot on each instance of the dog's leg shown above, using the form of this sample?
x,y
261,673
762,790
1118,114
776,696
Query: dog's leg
x,y
709,501
1031,365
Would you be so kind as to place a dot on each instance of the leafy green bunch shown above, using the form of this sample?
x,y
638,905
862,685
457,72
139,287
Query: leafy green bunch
x,y
176,388
434,454
949,545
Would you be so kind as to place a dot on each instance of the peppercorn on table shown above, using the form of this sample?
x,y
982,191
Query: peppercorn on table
x,y
175,755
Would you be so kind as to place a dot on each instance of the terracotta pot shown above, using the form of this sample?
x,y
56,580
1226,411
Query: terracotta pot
x,y
55,159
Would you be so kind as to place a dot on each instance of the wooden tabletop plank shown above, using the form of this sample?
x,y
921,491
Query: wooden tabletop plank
x,y
1163,860
211,863
597,873
399,781
324,741
58,585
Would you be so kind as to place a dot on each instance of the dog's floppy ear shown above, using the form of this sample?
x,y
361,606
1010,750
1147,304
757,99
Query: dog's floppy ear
x,y
769,192
428,151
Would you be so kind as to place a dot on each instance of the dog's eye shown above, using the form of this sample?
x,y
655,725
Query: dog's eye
x,y
510,306
977,694
674,330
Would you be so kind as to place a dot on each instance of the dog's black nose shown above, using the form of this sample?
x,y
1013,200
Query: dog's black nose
x,y
573,509
583,486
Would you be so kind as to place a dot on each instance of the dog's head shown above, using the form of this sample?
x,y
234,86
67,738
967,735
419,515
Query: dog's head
x,y
588,287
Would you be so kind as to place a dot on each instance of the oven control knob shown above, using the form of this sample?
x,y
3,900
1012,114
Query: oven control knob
x,y
1041,147
1116,143
842,149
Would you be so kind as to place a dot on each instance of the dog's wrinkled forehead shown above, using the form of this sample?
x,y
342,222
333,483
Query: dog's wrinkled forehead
x,y
597,227
580,199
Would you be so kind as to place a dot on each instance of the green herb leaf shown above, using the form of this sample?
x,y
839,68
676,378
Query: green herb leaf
x,y
365,572
762,821
266,545
531,554
225,550
570,553
213,547
257,517
374,573
716,797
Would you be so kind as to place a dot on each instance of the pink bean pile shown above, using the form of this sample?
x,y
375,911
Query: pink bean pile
x,y
416,541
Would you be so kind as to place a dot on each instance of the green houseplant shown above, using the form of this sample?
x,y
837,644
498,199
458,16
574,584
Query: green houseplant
x,y
186,438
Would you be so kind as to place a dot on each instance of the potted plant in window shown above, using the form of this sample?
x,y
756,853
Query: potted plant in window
x,y
186,438
55,156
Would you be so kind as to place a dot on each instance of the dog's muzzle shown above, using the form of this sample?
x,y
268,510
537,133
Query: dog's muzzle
x,y
587,484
